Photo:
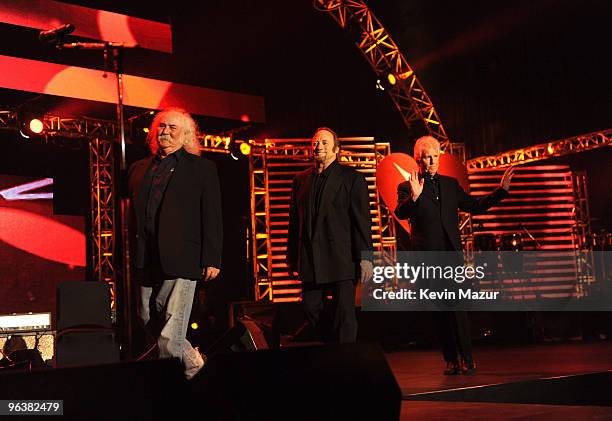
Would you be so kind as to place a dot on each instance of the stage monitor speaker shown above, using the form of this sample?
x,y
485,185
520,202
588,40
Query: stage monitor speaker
x,y
256,335
86,348
84,332
335,382
144,390
83,304
246,335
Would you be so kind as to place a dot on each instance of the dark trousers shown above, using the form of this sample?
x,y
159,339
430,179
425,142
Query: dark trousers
x,y
453,329
342,307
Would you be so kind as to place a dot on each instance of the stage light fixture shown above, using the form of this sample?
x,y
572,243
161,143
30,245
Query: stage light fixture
x,y
36,126
245,148
30,124
195,326
386,82
239,149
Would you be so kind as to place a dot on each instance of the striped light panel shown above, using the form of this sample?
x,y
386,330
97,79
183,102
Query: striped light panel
x,y
542,202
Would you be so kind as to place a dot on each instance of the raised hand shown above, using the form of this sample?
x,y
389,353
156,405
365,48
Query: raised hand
x,y
416,185
506,178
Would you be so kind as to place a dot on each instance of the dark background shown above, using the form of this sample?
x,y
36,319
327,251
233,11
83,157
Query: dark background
x,y
501,74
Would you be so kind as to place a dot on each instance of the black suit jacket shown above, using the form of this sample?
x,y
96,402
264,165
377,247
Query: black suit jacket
x,y
190,228
434,224
332,250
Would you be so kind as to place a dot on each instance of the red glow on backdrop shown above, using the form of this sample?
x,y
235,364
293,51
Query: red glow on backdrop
x,y
81,83
38,249
90,23
115,26
390,172
42,236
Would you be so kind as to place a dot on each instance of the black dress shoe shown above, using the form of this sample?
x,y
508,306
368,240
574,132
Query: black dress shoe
x,y
452,369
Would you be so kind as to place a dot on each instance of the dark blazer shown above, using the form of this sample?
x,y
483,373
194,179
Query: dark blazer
x,y
333,249
190,228
432,220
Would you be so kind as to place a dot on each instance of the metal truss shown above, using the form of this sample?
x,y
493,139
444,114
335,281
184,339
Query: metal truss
x,y
8,119
260,223
582,232
55,126
585,265
273,164
101,175
89,128
214,143
543,151
99,135
81,127
388,63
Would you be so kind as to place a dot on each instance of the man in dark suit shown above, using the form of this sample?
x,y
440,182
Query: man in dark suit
x,y
330,229
431,201
176,205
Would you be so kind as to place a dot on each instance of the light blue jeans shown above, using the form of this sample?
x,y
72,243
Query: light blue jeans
x,y
171,301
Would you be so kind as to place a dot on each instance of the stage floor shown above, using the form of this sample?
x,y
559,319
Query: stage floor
x,y
420,372
415,411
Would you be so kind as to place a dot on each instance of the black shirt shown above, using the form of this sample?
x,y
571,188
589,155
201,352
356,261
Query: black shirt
x,y
154,185
318,185
432,182
155,181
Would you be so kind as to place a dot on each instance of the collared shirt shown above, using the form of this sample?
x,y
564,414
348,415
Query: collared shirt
x,y
432,182
318,185
155,181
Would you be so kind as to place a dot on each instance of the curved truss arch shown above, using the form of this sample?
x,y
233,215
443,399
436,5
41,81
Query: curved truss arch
x,y
388,62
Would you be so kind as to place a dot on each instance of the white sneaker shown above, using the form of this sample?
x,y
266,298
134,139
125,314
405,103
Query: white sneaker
x,y
194,363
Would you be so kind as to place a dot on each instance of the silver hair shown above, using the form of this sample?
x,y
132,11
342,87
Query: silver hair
x,y
189,131
425,142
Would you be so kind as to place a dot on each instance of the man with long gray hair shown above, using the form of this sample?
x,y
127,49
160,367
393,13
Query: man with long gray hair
x,y
176,205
